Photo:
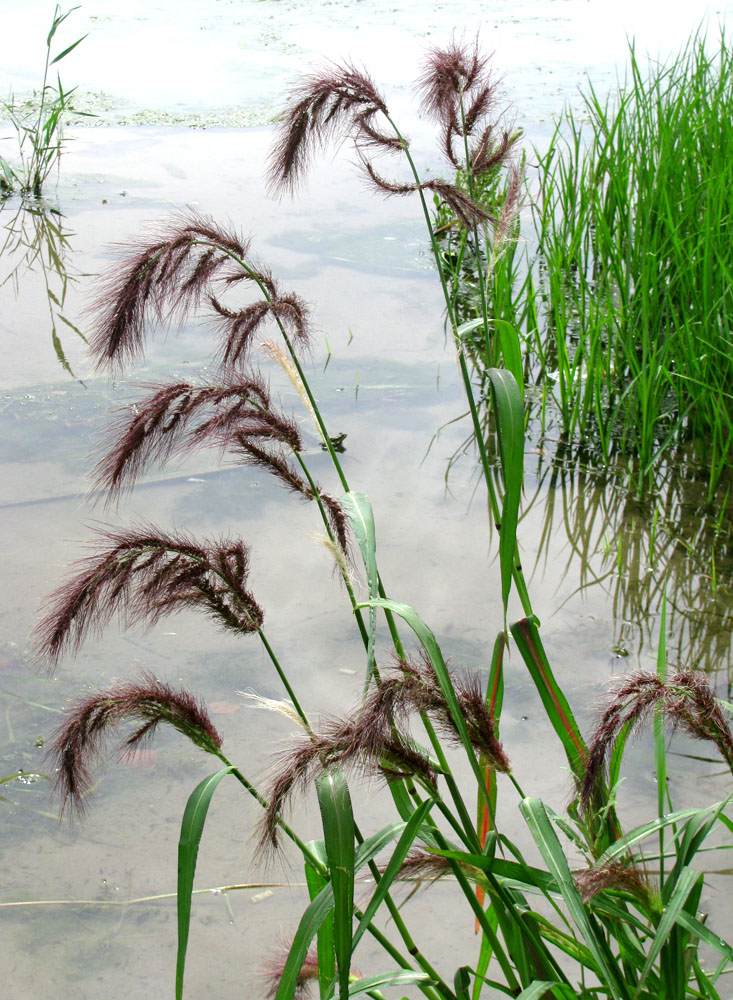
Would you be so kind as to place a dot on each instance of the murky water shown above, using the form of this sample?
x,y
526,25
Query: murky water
x,y
76,907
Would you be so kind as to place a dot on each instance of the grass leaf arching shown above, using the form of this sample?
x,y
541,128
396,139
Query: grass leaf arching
x,y
192,827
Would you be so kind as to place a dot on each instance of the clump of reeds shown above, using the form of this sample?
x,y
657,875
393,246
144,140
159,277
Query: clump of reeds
x,y
39,131
623,297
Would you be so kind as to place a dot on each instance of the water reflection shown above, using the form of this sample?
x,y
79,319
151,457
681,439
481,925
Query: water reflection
x,y
37,239
672,541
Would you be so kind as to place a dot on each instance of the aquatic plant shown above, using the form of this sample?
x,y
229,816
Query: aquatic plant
x,y
544,929
623,293
38,125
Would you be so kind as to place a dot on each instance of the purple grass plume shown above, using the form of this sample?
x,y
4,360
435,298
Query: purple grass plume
x,y
142,574
685,698
81,739
181,417
343,102
235,415
174,273
273,968
459,92
617,877
340,101
375,739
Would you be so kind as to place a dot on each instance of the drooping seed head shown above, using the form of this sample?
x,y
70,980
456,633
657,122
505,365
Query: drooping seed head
x,y
685,698
340,101
87,726
142,574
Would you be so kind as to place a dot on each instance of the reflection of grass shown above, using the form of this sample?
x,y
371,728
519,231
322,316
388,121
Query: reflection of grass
x,y
626,311
35,239
672,544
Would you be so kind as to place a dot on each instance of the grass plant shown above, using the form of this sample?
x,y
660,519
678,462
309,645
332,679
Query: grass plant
x,y
625,298
586,916
38,125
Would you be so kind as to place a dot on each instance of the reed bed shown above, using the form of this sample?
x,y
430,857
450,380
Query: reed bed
x,y
624,296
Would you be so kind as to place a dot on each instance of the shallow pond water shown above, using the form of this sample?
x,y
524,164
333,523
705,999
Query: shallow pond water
x,y
89,908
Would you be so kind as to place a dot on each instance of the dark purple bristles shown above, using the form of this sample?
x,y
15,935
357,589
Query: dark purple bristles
x,y
238,328
459,69
685,698
182,417
142,574
376,738
340,101
460,93
81,738
273,969
615,876
467,210
168,274
174,273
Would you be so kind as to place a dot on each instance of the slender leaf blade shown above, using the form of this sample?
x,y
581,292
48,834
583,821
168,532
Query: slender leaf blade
x,y
400,977
312,919
549,846
338,832
361,518
527,637
192,826
510,429
399,854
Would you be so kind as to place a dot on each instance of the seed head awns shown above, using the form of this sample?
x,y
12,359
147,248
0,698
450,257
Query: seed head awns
x,y
80,740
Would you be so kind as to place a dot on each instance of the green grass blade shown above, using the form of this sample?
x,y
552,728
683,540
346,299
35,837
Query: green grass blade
x,y
338,832
485,954
393,867
702,931
537,990
462,982
486,804
685,884
67,50
376,843
320,908
511,350
400,977
549,846
316,882
519,875
689,842
510,430
527,637
192,826
660,747
312,919
640,833
431,647
361,518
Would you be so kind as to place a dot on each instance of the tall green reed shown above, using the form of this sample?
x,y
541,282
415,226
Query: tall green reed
x,y
624,299
38,124
543,929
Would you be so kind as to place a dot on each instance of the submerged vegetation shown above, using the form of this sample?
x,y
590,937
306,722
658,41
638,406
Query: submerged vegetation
x,y
592,910
623,293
